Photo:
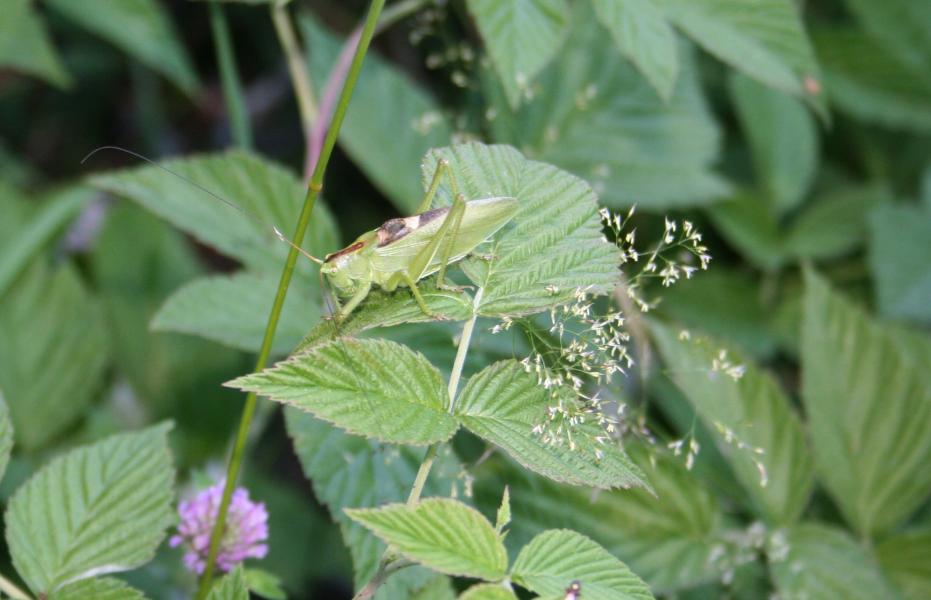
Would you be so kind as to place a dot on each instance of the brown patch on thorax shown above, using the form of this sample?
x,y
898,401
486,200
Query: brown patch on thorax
x,y
344,251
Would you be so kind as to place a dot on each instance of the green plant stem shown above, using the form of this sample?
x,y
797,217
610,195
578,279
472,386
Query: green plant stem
x,y
297,67
8,588
313,190
229,77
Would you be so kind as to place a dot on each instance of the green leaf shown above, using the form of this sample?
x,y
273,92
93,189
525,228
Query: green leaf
x,y
823,563
6,435
102,508
375,388
783,139
349,471
867,82
754,424
53,352
141,28
902,26
643,35
904,557
606,125
522,36
264,584
106,588
230,587
868,400
487,591
555,558
440,533
554,244
764,39
233,310
261,188
54,214
834,224
502,404
25,44
388,110
746,223
900,243
439,587
504,511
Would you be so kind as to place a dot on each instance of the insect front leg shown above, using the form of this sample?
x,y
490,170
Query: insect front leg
x,y
353,302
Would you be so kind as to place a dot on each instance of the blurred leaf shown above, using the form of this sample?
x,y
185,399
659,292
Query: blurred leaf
x,y
440,533
867,82
230,587
727,304
375,388
643,34
902,26
746,413
763,39
521,36
819,562
503,404
6,435
554,244
388,110
783,139
25,44
233,310
106,588
746,223
102,508
601,120
141,28
487,591
264,190
900,244
439,587
904,557
53,352
553,559
54,214
349,471
834,224
869,409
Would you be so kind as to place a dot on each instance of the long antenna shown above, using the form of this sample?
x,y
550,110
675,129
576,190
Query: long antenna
x,y
214,195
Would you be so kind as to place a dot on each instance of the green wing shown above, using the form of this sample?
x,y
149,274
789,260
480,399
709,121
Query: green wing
x,y
482,219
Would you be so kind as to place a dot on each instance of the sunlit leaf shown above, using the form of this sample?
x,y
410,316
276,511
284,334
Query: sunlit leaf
x,y
230,587
25,45
107,588
440,533
487,591
868,402
99,509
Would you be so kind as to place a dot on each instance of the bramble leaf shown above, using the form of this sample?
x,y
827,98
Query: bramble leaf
x,y
868,400
440,533
487,591
230,587
502,404
107,588
99,509
557,557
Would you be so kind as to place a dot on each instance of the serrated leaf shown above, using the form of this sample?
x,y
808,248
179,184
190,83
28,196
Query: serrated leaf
x,y
502,404
867,82
264,584
6,435
25,44
106,588
606,125
753,421
823,563
102,508
141,28
388,110
763,39
233,310
669,539
904,557
53,352
260,187
230,587
487,591
376,388
555,558
22,245
783,139
642,33
349,471
521,36
440,533
868,401
900,243
554,244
